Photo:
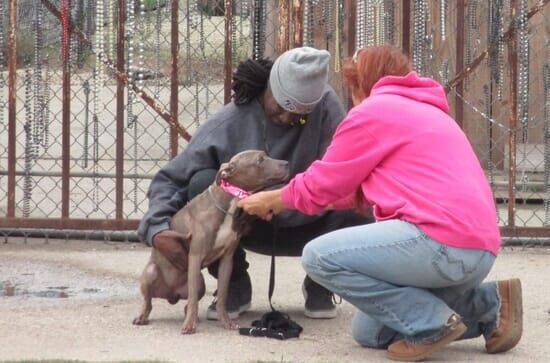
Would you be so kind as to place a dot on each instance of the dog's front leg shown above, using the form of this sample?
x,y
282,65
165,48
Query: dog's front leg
x,y
224,275
194,285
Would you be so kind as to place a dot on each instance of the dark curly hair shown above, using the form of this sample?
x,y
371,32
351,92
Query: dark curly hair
x,y
250,80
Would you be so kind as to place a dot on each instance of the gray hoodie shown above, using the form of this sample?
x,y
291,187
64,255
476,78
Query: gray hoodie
x,y
233,129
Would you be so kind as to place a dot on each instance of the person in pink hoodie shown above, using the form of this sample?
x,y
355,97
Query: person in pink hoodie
x,y
415,275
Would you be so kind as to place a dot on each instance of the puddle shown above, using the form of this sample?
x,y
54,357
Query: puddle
x,y
8,289
29,282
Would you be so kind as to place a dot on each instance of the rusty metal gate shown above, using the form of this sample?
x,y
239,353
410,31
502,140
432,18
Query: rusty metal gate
x,y
95,96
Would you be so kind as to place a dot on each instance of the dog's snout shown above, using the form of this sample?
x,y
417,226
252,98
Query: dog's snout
x,y
286,170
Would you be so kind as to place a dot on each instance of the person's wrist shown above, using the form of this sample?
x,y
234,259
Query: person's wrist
x,y
277,204
286,199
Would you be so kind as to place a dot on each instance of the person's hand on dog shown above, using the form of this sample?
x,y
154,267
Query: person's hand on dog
x,y
263,204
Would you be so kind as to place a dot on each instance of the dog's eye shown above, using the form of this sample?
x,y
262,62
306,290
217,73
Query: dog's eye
x,y
260,159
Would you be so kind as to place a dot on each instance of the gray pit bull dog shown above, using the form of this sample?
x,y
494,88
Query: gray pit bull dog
x,y
208,230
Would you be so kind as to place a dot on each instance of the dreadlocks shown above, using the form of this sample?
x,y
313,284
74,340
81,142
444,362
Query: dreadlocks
x,y
250,80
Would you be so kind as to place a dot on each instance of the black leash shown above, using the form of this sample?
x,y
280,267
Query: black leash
x,y
274,324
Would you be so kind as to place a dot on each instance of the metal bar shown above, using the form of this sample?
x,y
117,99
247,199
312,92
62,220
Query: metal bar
x,y
507,36
513,61
121,75
524,242
466,71
298,23
228,67
284,23
72,27
350,14
34,224
151,102
87,235
532,232
174,83
350,29
406,26
57,174
70,223
119,189
12,69
460,22
122,225
65,113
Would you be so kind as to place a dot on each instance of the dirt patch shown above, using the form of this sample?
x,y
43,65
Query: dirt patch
x,y
93,322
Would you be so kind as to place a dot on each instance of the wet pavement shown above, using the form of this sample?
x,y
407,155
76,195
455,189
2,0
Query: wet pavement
x,y
23,282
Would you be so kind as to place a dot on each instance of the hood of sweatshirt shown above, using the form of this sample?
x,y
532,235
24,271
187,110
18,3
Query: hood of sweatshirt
x,y
412,86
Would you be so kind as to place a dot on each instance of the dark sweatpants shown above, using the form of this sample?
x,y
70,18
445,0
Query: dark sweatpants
x,y
290,241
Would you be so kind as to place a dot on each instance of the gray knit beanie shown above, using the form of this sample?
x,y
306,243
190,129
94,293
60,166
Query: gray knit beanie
x,y
298,78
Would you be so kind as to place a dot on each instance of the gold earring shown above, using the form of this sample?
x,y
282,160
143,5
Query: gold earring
x,y
302,121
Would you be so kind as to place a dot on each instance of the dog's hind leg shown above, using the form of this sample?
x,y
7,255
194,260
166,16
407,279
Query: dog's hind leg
x,y
171,245
148,278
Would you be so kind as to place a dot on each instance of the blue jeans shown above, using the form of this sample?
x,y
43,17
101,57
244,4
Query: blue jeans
x,y
405,284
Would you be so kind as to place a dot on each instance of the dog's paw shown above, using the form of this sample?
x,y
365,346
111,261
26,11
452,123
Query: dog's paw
x,y
140,320
189,329
231,324
189,326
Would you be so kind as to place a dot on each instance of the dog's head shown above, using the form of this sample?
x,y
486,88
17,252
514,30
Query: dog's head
x,y
253,170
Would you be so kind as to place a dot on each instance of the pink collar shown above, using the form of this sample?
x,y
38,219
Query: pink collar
x,y
233,190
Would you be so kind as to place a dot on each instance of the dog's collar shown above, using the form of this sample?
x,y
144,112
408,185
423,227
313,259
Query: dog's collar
x,y
216,204
233,190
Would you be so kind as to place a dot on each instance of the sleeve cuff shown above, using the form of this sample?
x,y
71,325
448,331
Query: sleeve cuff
x,y
153,230
286,197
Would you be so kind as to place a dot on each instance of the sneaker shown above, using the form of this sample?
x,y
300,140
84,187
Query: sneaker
x,y
510,326
239,297
407,352
320,302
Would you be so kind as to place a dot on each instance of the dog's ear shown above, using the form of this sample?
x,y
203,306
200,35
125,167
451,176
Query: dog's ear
x,y
225,172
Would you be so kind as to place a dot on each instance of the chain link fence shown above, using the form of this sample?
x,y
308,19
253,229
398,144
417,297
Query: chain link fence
x,y
107,91
493,56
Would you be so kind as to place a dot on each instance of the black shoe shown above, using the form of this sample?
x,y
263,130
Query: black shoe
x,y
320,302
238,299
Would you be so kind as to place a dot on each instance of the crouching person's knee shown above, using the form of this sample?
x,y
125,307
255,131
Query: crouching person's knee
x,y
370,333
310,260
317,262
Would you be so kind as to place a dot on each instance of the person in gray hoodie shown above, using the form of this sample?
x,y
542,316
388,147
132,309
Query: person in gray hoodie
x,y
287,109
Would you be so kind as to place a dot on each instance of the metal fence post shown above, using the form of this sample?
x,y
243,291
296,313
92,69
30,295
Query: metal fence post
x,y
12,68
298,23
460,21
121,19
284,22
66,110
174,82
406,26
513,61
350,29
228,67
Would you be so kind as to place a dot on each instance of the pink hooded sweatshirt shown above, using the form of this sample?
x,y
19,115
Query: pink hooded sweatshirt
x,y
411,161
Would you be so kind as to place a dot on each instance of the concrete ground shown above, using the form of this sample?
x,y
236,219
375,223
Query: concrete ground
x,y
76,300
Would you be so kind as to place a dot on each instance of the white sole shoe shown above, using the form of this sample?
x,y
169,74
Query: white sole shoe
x,y
318,314
212,314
